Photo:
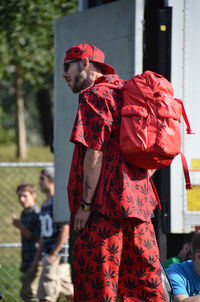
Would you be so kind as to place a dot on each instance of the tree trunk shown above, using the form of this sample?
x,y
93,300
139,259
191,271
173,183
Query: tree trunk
x,y
44,106
20,120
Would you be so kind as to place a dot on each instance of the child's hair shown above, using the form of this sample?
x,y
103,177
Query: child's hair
x,y
26,186
49,172
196,243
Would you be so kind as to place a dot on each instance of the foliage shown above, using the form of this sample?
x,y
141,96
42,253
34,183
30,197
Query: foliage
x,y
27,45
26,37
6,136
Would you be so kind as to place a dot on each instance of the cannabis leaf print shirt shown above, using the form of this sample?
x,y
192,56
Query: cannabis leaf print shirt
x,y
123,190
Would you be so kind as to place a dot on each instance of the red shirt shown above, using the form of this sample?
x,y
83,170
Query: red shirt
x,y
123,190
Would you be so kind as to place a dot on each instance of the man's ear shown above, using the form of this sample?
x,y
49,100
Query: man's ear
x,y
85,63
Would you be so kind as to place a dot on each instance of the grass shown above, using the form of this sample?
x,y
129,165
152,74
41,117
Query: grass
x,y
10,177
10,290
35,154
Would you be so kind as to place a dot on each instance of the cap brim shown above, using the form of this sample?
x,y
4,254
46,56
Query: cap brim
x,y
106,69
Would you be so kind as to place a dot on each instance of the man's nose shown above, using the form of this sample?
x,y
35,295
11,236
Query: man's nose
x,y
64,75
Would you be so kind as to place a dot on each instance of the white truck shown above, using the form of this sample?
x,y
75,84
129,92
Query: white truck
x,y
185,66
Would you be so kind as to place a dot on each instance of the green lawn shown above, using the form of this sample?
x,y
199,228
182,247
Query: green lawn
x,y
10,281
35,154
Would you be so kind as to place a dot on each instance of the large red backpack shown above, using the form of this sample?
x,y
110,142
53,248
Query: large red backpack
x,y
150,133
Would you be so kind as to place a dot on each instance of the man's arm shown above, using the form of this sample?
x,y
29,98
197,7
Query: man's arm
x,y
179,283
38,255
91,173
184,298
62,238
151,172
17,223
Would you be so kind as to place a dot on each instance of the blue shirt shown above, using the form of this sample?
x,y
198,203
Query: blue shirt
x,y
184,279
50,230
30,219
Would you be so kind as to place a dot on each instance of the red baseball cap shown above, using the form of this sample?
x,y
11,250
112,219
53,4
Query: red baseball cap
x,y
91,52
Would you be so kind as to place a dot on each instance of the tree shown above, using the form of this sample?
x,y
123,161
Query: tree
x,y
27,49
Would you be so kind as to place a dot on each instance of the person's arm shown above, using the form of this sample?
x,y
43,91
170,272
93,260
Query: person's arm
x,y
62,238
179,283
17,223
184,298
91,173
37,257
151,172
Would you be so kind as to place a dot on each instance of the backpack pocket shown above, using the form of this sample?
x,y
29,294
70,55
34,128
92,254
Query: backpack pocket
x,y
168,137
133,129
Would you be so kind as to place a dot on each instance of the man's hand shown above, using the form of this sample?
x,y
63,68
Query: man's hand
x,y
15,221
51,258
80,219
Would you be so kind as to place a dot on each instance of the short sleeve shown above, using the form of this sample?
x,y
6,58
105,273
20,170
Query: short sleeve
x,y
35,228
93,122
179,283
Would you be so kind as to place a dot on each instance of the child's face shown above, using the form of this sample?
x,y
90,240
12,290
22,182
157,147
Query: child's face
x,y
44,183
26,198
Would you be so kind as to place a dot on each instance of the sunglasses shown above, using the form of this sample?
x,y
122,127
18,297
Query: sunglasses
x,y
67,64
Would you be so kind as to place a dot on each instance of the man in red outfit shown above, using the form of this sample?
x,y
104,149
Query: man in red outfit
x,y
111,202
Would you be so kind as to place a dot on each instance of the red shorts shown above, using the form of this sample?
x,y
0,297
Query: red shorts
x,y
117,257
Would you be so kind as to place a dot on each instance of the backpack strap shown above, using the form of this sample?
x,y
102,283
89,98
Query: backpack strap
x,y
188,129
186,172
183,159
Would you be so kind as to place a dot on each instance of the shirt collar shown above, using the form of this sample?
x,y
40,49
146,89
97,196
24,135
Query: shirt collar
x,y
29,210
109,78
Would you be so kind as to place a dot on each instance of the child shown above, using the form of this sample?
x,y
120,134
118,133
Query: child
x,y
29,226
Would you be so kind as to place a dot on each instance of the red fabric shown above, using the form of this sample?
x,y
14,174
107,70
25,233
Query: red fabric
x,y
117,258
150,134
92,53
123,190
84,50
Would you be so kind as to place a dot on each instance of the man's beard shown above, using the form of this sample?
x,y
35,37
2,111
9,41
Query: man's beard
x,y
80,83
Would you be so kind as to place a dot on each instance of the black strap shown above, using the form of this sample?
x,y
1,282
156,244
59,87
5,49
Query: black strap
x,y
167,283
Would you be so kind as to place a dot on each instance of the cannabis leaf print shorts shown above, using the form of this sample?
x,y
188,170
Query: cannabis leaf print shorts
x,y
117,258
